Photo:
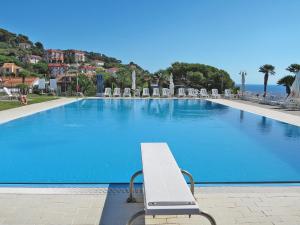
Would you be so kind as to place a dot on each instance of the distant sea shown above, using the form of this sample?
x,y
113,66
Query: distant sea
x,y
259,88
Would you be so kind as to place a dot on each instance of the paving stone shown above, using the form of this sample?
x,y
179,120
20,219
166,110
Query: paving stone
x,y
228,205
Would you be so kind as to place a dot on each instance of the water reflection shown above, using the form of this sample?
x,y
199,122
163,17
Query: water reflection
x,y
241,115
265,125
292,131
182,109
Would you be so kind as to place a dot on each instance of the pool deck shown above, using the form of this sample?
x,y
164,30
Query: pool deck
x,y
107,206
273,112
15,113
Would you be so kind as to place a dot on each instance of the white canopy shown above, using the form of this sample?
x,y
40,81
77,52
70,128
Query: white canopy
x,y
295,89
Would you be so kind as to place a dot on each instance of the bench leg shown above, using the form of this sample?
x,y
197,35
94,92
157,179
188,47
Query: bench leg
x,y
139,213
131,198
209,217
191,179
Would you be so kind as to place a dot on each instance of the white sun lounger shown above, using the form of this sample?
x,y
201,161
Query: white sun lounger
x,y
10,95
165,93
165,189
117,92
227,94
146,92
137,93
107,92
192,92
156,93
126,92
181,92
203,93
215,93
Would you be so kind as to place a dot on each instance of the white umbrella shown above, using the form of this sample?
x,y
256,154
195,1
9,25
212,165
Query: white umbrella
x,y
243,74
133,78
171,86
295,89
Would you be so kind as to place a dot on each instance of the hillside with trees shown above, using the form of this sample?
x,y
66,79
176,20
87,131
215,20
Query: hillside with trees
x,y
16,47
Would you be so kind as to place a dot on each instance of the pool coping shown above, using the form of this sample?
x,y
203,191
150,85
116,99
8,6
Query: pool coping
x,y
16,113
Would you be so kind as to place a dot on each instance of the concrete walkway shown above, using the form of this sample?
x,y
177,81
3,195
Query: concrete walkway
x,y
107,206
15,113
291,117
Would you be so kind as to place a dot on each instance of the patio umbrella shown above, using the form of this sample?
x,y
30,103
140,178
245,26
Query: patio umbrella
x,y
171,86
243,74
133,78
295,89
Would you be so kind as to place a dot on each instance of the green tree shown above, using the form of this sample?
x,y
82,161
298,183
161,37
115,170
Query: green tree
x,y
86,85
293,68
123,78
41,67
287,81
267,70
24,73
195,79
39,45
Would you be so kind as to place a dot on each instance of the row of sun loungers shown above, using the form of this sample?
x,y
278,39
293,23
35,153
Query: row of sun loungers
x,y
165,93
273,100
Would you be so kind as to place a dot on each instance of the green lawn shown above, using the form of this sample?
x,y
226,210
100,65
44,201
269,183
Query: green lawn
x,y
32,99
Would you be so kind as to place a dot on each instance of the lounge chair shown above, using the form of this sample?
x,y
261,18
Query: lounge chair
x,y
127,92
191,93
137,93
291,103
156,93
165,93
9,94
117,92
203,93
145,92
107,92
215,93
181,92
165,189
227,94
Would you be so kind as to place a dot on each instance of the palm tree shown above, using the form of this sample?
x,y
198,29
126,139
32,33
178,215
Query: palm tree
x,y
24,73
287,81
266,69
294,68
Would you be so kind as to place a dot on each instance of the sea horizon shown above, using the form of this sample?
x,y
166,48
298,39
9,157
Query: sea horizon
x,y
271,88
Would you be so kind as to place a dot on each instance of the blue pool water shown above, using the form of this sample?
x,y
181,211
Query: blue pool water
x,y
98,141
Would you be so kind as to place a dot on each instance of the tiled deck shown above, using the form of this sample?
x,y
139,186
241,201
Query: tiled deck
x,y
15,113
94,206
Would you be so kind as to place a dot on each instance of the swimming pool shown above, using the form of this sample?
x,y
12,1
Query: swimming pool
x,y
98,141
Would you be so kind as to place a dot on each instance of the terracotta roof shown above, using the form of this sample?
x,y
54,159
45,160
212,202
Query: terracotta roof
x,y
75,51
88,67
54,50
57,65
14,81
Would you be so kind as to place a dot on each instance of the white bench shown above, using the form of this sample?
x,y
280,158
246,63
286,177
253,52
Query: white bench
x,y
165,189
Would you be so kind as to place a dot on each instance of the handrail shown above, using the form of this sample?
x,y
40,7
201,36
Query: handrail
x,y
191,180
131,198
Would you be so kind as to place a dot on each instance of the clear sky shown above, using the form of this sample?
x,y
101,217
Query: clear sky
x,y
230,34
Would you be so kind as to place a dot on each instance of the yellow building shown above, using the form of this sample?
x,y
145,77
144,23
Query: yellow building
x,y
9,68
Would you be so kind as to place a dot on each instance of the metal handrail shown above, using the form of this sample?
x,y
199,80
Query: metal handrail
x,y
191,180
131,198
142,212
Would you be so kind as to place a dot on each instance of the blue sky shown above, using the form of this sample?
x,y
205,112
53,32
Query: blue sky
x,y
230,34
